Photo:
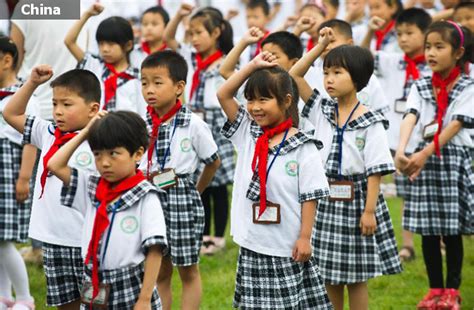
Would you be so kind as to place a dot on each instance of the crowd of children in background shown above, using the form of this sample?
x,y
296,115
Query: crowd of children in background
x,y
304,116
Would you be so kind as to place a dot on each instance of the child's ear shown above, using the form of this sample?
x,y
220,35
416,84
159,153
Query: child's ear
x,y
216,33
350,41
8,60
137,156
294,61
128,46
94,108
459,53
288,101
180,86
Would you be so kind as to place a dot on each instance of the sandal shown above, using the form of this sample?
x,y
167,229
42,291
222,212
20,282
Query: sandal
x,y
6,303
404,257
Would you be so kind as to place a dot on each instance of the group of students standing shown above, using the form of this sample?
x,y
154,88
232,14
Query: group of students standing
x,y
145,136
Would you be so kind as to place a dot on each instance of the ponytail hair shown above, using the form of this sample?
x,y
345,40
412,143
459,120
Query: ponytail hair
x,y
212,18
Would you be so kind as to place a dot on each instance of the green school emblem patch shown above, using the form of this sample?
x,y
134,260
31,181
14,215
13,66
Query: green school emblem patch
x,y
185,145
291,168
83,159
360,143
129,224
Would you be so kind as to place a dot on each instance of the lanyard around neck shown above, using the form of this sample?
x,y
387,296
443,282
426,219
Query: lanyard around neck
x,y
340,136
277,152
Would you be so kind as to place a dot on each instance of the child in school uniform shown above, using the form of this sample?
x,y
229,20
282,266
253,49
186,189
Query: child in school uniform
x,y
212,40
76,94
258,15
120,207
372,95
279,181
16,164
440,202
153,23
180,140
353,237
356,16
120,81
397,72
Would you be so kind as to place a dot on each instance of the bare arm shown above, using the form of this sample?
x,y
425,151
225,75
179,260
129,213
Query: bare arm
x,y
443,15
152,268
207,174
17,37
71,37
172,27
375,23
28,159
14,111
302,250
368,223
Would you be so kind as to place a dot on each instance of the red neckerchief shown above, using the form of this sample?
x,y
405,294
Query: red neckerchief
x,y
60,139
259,43
411,68
4,94
380,34
442,100
105,194
147,50
110,84
157,121
203,65
261,154
310,44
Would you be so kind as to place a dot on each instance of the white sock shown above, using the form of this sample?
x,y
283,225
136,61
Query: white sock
x,y
15,268
5,284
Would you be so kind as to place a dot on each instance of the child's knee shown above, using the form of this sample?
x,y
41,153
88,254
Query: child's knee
x,y
189,273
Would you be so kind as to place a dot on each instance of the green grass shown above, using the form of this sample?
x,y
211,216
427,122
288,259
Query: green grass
x,y
401,291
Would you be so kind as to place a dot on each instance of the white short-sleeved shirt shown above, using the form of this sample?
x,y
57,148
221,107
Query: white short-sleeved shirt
x,y
137,55
138,219
297,175
390,70
371,96
50,221
390,43
365,143
359,30
129,92
421,103
7,131
191,143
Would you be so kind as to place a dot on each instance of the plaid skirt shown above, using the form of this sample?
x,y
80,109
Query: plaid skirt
x,y
14,216
441,200
225,173
402,184
270,282
184,216
126,284
342,253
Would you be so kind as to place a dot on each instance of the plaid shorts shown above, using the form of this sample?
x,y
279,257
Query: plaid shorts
x,y
270,282
64,268
126,284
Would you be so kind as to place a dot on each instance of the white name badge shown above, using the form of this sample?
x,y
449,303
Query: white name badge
x,y
101,300
430,130
341,191
400,106
165,179
271,215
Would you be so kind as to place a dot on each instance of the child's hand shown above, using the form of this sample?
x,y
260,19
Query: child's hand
x,y
231,14
401,162
302,251
326,35
95,9
185,10
368,223
264,60
142,304
41,74
376,23
290,21
22,189
415,164
99,115
305,23
253,35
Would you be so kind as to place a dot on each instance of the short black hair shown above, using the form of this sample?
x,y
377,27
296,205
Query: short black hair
x,y
398,4
7,46
119,129
464,4
115,29
253,4
415,16
275,83
288,42
358,61
333,3
82,82
171,60
158,9
339,25
211,19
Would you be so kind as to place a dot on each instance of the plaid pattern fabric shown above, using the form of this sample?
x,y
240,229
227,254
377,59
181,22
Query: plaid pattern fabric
x,y
184,216
270,282
403,185
135,72
391,36
125,287
441,199
15,216
64,268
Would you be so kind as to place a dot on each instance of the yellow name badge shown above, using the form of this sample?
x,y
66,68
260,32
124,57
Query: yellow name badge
x,y
400,106
271,215
101,300
430,130
341,191
165,179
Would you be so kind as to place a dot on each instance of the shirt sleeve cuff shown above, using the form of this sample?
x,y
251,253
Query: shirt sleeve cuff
x,y
211,159
68,192
230,128
310,103
467,121
383,169
155,240
27,131
412,111
314,195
